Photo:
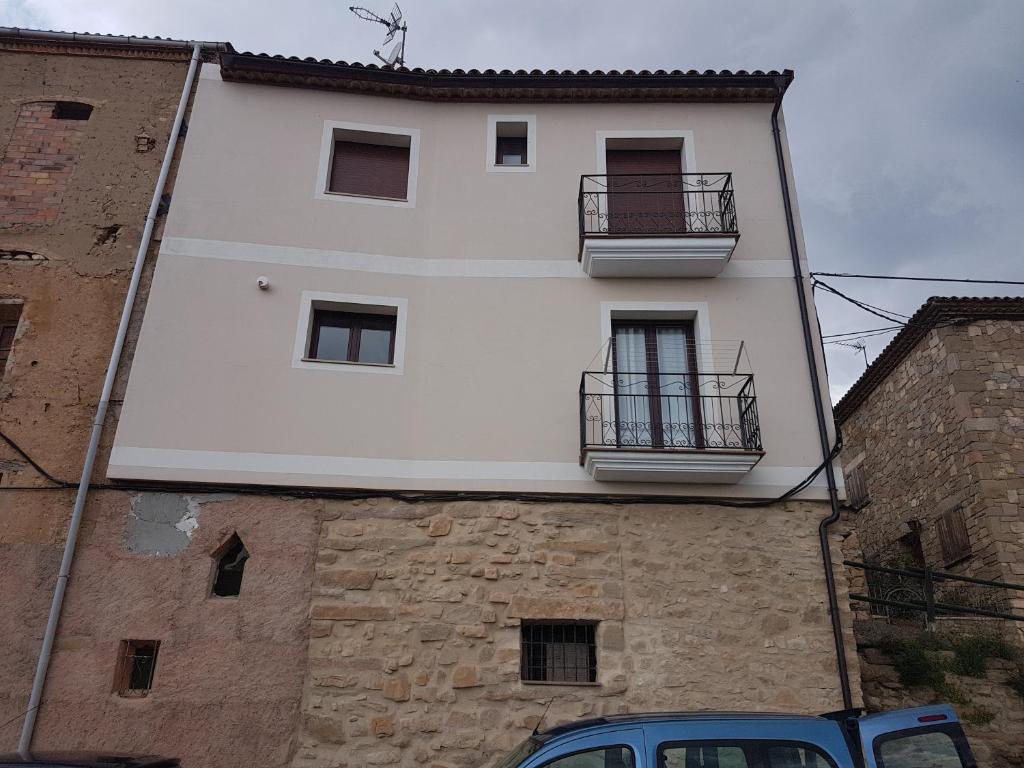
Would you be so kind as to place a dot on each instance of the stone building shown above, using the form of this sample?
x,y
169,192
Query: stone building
x,y
415,447
933,441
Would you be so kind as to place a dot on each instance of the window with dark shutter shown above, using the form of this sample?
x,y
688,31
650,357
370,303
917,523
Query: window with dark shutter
x,y
370,170
953,537
559,652
136,665
857,495
9,317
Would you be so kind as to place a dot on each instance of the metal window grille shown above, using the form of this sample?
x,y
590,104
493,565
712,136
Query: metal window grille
x,y
136,667
559,653
857,494
953,536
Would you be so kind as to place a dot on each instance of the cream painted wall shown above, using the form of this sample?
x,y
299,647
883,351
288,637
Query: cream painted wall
x,y
488,395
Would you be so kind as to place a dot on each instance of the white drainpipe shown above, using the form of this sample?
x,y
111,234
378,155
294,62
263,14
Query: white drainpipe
x,y
101,413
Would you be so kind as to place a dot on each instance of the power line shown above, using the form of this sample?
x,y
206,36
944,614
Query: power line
x,y
871,331
885,314
918,279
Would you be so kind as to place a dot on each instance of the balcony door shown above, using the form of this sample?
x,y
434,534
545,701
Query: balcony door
x,y
656,387
645,191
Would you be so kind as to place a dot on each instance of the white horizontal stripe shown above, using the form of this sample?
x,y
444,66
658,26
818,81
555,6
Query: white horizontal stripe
x,y
416,267
125,460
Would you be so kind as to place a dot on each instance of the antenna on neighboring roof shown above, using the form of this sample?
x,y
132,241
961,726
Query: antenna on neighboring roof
x,y
395,25
859,345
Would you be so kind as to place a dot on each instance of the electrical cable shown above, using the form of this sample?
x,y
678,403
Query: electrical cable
x,y
18,449
885,314
919,279
859,333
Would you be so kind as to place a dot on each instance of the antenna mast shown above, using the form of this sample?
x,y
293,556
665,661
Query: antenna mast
x,y
395,24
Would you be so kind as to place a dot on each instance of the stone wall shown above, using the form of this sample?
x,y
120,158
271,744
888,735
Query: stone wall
x,y
946,429
996,744
416,612
68,270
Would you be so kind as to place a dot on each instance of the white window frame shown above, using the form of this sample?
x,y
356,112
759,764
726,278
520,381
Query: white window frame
x,y
492,143
349,302
330,136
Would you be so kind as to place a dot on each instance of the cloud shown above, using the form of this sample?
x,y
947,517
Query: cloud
x,y
904,120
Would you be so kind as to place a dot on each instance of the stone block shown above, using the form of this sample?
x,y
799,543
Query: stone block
x,y
440,526
346,578
397,688
465,677
334,612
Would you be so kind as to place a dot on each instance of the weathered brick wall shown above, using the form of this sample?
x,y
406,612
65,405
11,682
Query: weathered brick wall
x,y
416,611
37,165
945,429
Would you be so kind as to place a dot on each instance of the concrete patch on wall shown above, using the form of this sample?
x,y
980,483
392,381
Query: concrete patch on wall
x,y
162,524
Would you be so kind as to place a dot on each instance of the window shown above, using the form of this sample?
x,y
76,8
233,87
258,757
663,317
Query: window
x,y
9,316
657,404
370,164
230,557
372,170
351,333
741,754
135,667
602,757
71,110
938,748
953,537
857,495
559,653
511,142
350,337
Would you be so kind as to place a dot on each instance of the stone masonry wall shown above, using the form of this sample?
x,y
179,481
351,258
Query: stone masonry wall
x,y
414,655
946,429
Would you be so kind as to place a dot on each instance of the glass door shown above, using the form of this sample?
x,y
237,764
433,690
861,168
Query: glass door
x,y
656,390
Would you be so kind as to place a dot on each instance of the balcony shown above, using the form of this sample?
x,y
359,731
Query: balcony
x,y
657,225
668,428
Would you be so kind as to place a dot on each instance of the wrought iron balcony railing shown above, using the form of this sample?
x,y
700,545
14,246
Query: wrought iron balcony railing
x,y
659,204
669,411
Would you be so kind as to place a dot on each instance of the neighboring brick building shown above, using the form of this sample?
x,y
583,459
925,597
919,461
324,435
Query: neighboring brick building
x,y
933,437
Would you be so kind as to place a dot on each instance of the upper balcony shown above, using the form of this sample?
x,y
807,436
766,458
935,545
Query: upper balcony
x,y
657,225
657,426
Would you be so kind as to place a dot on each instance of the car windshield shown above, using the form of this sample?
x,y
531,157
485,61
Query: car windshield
x,y
520,753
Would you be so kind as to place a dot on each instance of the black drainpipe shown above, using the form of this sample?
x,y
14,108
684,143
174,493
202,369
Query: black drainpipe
x,y
782,83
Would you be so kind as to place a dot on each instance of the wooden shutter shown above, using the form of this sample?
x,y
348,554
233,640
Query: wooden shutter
x,y
857,495
373,170
648,199
953,537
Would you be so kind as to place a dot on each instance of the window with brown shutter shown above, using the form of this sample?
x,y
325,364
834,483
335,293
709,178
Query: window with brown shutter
x,y
370,170
10,314
953,537
857,494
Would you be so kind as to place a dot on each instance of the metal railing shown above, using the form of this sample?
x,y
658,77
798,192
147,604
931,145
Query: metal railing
x,y
899,593
657,204
668,411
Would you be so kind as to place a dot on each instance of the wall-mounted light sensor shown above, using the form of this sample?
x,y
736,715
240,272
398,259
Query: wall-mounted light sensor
x,y
263,282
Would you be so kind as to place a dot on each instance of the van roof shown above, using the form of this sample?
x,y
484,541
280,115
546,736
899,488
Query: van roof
x,y
660,717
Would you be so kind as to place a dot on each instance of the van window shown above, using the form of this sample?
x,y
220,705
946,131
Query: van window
x,y
741,754
602,757
921,749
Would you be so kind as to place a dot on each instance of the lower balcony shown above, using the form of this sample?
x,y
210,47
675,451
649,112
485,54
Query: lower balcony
x,y
657,225
668,428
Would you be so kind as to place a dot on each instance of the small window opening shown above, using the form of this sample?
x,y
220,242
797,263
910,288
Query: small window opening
x,y
136,667
10,314
510,143
954,540
231,558
71,110
559,653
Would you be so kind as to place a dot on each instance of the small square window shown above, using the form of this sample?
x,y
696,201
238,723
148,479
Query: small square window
x,y
350,337
511,142
136,666
559,652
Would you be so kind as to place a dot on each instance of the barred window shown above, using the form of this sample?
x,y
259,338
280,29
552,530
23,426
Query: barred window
x,y
857,494
136,666
953,536
559,652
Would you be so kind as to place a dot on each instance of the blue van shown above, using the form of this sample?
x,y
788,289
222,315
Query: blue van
x,y
925,737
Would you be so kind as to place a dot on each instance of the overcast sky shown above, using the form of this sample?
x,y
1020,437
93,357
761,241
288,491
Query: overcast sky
x,y
906,120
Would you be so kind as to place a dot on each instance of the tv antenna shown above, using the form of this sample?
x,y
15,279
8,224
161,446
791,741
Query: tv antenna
x,y
395,25
858,345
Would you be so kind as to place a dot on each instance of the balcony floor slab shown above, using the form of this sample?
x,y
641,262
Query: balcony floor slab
x,y
711,467
683,256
